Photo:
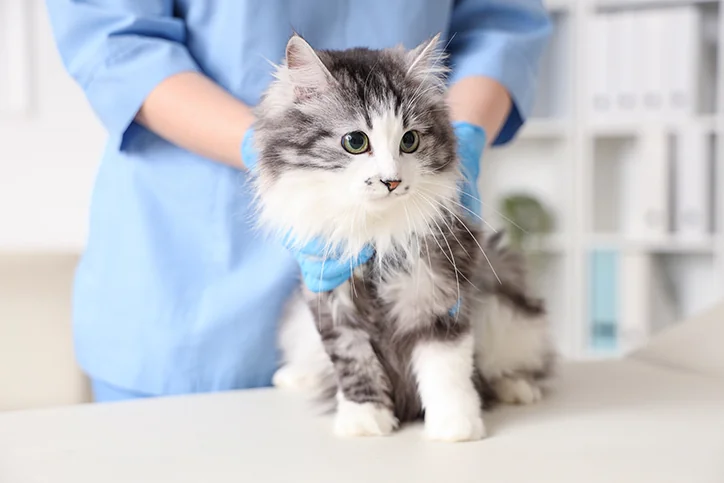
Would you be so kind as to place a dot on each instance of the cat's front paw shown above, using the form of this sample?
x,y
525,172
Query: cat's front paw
x,y
517,391
454,426
363,419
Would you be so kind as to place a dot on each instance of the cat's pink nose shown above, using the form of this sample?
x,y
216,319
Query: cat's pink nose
x,y
391,183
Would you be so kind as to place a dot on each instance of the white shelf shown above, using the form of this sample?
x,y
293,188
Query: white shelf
x,y
550,244
628,4
559,5
633,128
661,245
544,129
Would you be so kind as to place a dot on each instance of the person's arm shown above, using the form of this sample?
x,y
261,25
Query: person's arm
x,y
481,101
495,49
209,121
131,60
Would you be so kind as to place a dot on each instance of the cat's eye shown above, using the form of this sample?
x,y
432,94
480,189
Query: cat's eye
x,y
355,142
410,142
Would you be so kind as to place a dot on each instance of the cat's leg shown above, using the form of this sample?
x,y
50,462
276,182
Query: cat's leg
x,y
516,390
444,370
513,350
305,364
363,389
364,402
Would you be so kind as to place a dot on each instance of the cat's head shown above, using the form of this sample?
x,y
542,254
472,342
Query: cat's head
x,y
356,146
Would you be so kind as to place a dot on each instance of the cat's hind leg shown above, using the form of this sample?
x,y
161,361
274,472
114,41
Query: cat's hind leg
x,y
513,352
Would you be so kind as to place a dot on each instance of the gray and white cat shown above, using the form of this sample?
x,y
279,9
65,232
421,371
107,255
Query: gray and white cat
x,y
356,147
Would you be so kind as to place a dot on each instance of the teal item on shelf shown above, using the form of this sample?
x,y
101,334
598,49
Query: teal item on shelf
x,y
603,300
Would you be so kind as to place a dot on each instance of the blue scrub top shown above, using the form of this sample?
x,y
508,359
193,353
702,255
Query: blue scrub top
x,y
176,291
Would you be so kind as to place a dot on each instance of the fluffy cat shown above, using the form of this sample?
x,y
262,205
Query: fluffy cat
x,y
356,147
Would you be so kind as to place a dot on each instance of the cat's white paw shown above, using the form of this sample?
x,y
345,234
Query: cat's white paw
x,y
452,426
295,378
365,419
517,391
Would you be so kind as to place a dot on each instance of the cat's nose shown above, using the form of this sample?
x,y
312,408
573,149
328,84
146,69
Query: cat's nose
x,y
391,183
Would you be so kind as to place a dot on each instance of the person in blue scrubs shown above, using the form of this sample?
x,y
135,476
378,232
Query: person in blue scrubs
x,y
176,291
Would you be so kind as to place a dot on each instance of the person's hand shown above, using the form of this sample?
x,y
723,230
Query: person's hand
x,y
249,156
471,143
323,268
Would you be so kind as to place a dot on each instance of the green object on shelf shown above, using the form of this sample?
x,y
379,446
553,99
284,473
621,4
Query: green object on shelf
x,y
525,216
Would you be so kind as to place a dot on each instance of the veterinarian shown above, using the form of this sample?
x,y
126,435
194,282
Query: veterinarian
x,y
176,292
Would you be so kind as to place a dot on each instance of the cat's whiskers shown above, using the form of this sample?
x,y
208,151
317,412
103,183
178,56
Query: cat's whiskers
x,y
475,239
429,262
452,232
457,280
442,218
414,233
455,202
451,260
461,191
353,222
360,237
431,233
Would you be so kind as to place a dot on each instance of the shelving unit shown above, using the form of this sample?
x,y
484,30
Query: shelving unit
x,y
587,170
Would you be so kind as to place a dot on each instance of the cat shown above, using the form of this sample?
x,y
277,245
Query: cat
x,y
356,148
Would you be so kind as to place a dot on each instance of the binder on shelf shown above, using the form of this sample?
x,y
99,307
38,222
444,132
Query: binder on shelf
x,y
621,63
647,299
603,300
683,45
635,292
645,209
600,67
664,299
694,171
651,65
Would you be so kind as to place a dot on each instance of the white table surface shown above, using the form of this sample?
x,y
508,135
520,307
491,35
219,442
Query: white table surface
x,y
603,422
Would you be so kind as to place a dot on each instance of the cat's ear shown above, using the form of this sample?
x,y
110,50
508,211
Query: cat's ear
x,y
426,62
307,72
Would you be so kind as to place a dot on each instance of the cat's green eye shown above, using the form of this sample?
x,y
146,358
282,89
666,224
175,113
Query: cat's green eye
x,y
355,142
410,142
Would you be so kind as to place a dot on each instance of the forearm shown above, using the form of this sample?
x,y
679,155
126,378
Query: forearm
x,y
481,101
191,111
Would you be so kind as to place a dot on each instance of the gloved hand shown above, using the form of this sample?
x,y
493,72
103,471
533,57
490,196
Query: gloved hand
x,y
471,143
322,269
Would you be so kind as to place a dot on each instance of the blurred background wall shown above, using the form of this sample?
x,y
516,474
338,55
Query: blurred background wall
x,y
616,182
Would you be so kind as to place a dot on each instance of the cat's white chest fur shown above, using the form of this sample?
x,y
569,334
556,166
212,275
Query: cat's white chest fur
x,y
413,295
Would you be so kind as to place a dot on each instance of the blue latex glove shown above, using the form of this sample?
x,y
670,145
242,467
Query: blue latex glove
x,y
471,143
322,270
323,274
